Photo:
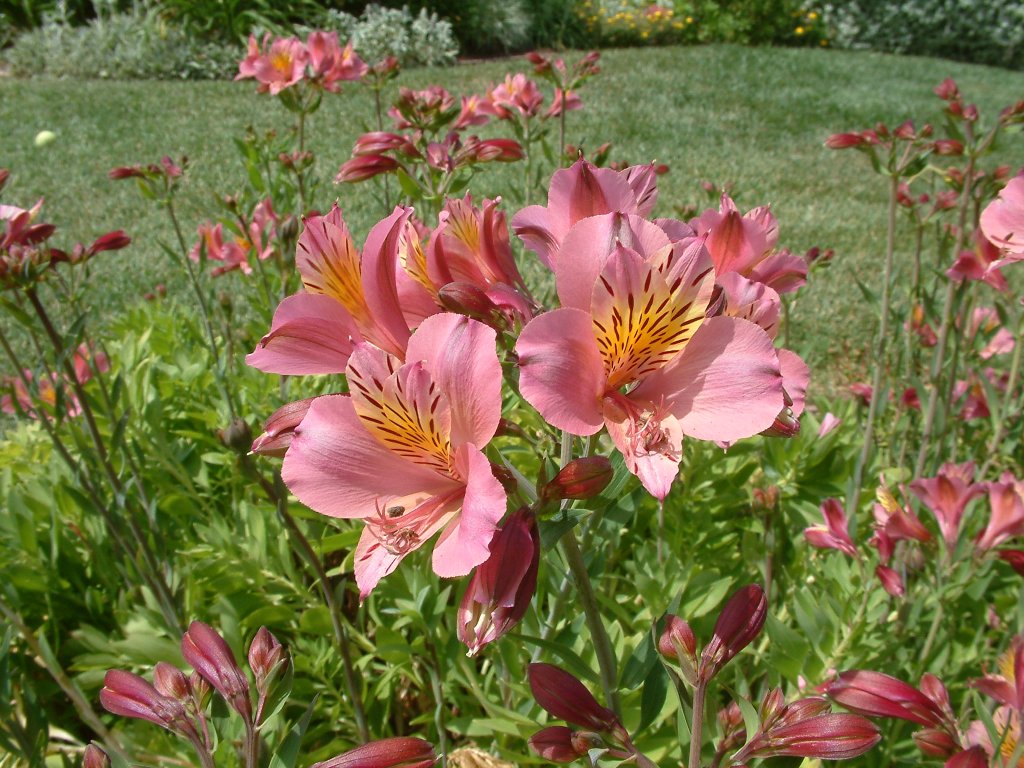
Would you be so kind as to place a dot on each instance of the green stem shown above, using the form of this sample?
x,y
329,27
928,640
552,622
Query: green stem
x,y
697,726
939,355
437,687
1008,401
598,634
880,349
65,683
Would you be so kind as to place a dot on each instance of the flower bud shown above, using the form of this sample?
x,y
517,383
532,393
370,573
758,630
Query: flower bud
x,y
878,695
469,300
265,654
280,428
582,478
556,744
128,695
1015,557
397,752
565,697
974,757
678,643
738,624
171,681
844,140
94,757
365,167
502,586
825,737
236,435
891,580
935,742
212,658
948,147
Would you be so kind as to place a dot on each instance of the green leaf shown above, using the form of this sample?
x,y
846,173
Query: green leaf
x,y
638,666
653,697
288,752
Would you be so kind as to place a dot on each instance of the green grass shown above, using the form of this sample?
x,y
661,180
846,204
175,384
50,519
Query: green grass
x,y
753,117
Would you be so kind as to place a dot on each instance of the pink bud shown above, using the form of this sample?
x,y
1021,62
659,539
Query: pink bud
x,y
397,752
891,581
582,478
171,681
678,643
1015,557
738,624
844,140
212,658
94,757
365,167
265,654
501,150
825,737
948,147
947,90
126,172
467,299
502,587
128,695
828,423
905,130
786,424
879,695
280,428
974,757
566,698
112,241
555,743
935,742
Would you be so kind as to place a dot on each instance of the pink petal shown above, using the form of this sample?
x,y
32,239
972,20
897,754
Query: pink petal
x,y
461,357
1002,221
310,334
782,270
465,542
753,301
561,373
796,376
380,285
658,466
533,225
726,384
337,468
587,247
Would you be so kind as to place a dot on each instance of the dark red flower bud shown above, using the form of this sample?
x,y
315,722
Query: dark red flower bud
x,y
565,697
905,130
212,658
678,643
948,147
171,681
4,175
126,172
397,752
170,168
129,695
582,478
265,656
974,757
947,90
935,742
844,140
738,624
365,167
825,737
467,299
94,757
891,580
279,429
878,695
501,150
112,241
555,743
1015,557
502,587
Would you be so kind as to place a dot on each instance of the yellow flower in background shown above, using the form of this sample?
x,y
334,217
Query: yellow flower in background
x,y
799,30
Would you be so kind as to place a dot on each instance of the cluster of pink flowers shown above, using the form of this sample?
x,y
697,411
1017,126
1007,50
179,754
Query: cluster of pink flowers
x,y
233,247
643,344
50,389
940,736
280,63
947,496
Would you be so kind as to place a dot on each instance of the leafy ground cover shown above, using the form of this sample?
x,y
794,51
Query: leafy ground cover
x,y
755,118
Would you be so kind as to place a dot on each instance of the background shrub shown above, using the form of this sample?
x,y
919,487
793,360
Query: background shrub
x,y
979,31
420,40
137,44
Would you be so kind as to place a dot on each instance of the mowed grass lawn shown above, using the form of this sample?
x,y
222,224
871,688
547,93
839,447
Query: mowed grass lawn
x,y
755,118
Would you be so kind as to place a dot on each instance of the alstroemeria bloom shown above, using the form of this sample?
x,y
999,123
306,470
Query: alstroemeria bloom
x,y
279,66
403,451
330,63
517,93
947,496
631,349
1002,222
834,534
348,298
746,244
576,193
1006,499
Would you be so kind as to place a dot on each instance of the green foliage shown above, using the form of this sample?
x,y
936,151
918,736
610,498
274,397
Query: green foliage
x,y
138,44
420,40
981,31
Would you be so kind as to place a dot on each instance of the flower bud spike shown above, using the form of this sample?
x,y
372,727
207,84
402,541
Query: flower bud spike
x,y
738,624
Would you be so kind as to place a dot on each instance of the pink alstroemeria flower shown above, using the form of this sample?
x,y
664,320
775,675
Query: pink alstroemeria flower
x,y
330,63
630,349
1002,222
403,452
348,298
834,534
947,496
1006,499
746,244
578,192
278,65
517,93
